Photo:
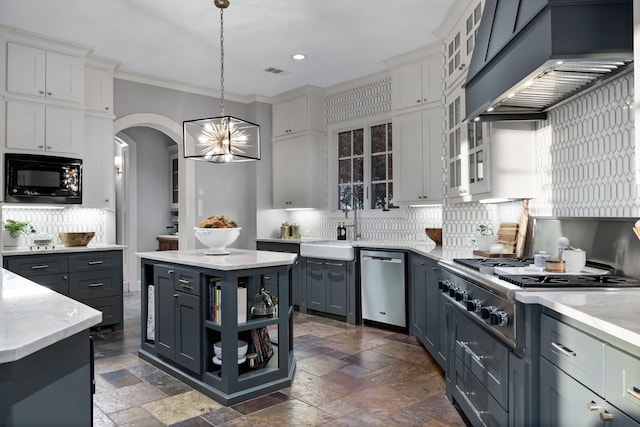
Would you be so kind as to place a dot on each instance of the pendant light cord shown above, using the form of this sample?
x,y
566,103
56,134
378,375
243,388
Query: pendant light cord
x,y
222,61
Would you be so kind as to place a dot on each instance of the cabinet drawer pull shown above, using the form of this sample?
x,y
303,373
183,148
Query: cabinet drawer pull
x,y
314,262
170,271
634,392
267,277
95,262
96,285
185,283
593,406
562,349
39,267
335,264
474,356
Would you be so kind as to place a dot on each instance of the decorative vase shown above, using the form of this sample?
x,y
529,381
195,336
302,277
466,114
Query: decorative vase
x,y
8,241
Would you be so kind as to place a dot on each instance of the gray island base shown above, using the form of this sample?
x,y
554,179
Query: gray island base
x,y
192,301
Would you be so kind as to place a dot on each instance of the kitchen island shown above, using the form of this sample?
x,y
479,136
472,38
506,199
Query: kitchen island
x,y
192,301
45,355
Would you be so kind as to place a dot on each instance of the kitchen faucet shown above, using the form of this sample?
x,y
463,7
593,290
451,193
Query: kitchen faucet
x,y
355,201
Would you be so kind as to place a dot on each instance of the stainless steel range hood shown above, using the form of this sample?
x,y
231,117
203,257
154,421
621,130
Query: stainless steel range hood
x,y
533,54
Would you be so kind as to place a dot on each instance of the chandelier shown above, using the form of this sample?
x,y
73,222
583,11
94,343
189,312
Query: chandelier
x,y
224,138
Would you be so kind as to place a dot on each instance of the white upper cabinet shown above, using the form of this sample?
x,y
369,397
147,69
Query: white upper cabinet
x,y
417,83
459,45
98,186
38,127
417,162
45,74
290,116
99,89
300,111
297,171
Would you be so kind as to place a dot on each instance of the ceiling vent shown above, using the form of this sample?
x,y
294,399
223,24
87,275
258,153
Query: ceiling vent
x,y
277,71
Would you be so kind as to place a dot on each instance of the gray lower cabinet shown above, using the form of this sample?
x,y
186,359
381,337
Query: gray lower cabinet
x,y
585,381
445,326
178,316
91,277
425,302
328,284
298,291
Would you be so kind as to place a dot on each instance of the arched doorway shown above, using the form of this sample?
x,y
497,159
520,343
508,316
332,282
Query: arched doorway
x,y
127,217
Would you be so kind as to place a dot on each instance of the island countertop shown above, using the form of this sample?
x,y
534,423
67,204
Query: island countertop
x,y
34,317
238,259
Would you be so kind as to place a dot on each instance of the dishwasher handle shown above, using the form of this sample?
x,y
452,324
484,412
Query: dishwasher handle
x,y
382,259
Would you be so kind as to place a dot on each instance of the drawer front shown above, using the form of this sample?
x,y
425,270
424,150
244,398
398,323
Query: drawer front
x,y
36,265
56,282
484,355
110,307
187,280
293,248
95,284
478,405
95,260
575,352
622,372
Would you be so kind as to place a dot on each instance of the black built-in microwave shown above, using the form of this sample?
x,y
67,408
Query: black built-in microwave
x,y
33,178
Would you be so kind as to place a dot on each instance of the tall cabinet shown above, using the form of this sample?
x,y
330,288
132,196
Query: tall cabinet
x,y
416,89
298,148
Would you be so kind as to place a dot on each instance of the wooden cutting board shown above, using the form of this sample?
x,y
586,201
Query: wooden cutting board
x,y
508,235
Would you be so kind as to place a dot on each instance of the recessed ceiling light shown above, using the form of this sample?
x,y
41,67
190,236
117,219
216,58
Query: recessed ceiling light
x,y
299,56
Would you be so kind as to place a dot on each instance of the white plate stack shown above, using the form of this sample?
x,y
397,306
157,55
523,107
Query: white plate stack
x,y
242,352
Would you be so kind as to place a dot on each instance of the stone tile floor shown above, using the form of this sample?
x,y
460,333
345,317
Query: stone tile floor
x,y
346,376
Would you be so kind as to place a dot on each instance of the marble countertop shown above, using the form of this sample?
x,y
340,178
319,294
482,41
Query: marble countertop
x,y
33,317
238,259
613,312
26,250
425,248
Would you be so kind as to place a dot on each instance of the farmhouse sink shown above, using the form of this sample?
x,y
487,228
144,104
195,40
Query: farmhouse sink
x,y
328,249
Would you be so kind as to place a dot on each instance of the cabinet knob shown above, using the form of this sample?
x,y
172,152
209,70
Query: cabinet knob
x,y
175,295
49,94
106,108
40,146
606,416
418,101
48,147
170,271
592,406
41,92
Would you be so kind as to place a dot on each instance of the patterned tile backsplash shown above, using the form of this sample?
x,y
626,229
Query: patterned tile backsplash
x,y
54,221
585,168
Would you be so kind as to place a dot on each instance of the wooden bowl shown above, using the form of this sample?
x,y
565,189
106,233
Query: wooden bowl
x,y
434,234
76,238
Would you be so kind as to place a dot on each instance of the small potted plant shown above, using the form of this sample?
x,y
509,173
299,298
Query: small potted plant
x,y
13,229
485,237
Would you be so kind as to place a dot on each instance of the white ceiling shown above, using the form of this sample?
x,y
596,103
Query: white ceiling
x,y
179,39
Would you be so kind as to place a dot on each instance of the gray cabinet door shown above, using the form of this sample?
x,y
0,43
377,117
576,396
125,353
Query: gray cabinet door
x,y
316,289
187,331
563,400
165,311
418,289
445,337
336,287
56,282
431,326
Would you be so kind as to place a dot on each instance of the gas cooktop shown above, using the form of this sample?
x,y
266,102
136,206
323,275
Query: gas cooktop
x,y
570,281
547,280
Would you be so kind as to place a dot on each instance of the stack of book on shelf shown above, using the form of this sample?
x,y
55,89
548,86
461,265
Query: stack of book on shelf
x,y
216,304
262,344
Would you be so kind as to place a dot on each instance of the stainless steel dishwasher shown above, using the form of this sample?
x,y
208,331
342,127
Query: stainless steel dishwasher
x,y
382,277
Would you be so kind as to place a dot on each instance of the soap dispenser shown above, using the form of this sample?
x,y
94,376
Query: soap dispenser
x,y
342,232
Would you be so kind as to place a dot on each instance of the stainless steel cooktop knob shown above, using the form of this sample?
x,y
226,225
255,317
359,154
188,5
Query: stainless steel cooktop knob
x,y
474,305
444,285
452,291
485,312
499,317
461,295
